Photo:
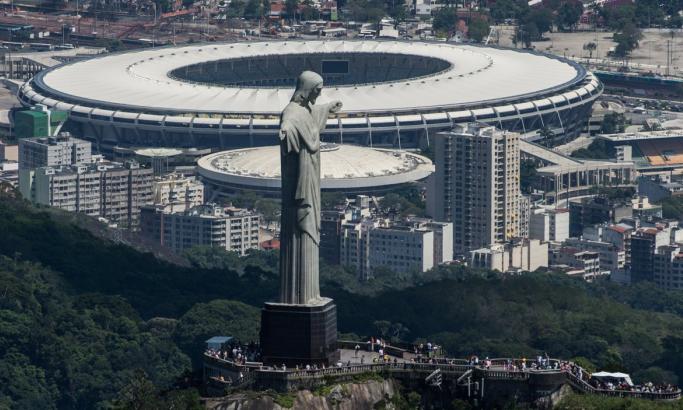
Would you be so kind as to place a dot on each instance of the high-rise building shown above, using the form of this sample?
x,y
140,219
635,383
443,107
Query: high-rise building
x,y
109,190
53,151
476,185
232,229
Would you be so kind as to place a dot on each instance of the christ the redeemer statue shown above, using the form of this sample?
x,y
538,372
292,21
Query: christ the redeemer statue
x,y
300,127
302,326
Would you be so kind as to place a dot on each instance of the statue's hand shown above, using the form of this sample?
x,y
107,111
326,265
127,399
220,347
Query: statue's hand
x,y
336,106
282,134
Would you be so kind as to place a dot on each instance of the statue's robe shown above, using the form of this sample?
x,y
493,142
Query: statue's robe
x,y
300,227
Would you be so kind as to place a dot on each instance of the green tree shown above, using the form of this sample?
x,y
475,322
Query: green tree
x,y
252,9
542,18
613,123
331,199
445,19
509,9
590,47
216,318
525,34
291,7
268,208
568,15
617,17
236,8
598,149
139,394
478,29
627,40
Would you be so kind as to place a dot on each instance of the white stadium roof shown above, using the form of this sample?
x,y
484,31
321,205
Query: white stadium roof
x,y
141,79
342,166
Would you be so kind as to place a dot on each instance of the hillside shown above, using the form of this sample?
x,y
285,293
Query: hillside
x,y
81,317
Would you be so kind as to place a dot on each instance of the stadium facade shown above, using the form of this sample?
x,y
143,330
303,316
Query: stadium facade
x,y
395,93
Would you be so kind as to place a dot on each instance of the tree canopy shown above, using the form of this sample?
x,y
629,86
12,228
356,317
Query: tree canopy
x,y
85,322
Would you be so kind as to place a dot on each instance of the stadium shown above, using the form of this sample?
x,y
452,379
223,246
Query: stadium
x,y
651,151
347,168
395,93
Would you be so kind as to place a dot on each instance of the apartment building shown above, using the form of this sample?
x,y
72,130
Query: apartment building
x,y
232,229
177,189
411,245
62,149
549,224
109,190
668,268
476,185
522,254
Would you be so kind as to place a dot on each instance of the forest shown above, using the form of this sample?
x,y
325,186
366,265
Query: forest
x,y
87,322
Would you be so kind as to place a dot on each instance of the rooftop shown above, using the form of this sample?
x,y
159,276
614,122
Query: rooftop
x,y
142,78
338,163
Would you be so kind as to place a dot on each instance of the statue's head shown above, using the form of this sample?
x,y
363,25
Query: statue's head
x,y
308,88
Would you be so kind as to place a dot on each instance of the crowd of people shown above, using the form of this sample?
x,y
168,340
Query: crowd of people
x,y
427,353
237,353
623,386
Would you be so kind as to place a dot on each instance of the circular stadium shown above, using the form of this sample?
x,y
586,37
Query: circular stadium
x,y
395,93
348,168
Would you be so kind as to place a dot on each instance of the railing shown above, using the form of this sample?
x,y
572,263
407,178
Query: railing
x,y
579,383
458,367
366,368
584,387
675,395
232,363
507,374
366,346
463,377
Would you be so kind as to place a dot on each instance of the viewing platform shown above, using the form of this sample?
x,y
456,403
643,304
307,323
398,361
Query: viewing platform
x,y
480,381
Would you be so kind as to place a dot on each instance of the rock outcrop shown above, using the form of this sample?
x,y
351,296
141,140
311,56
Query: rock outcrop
x,y
348,396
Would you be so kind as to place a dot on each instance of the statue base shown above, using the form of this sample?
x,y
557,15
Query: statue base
x,y
299,334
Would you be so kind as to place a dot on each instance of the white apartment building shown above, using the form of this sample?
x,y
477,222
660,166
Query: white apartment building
x,y
576,262
525,255
476,185
53,151
612,259
232,229
355,245
177,189
414,245
402,249
549,224
109,190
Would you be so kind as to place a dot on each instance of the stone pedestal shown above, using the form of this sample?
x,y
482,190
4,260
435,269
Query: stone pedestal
x,y
299,334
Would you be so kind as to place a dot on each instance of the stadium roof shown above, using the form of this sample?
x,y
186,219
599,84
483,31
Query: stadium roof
x,y
141,79
340,165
